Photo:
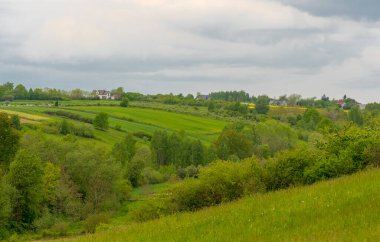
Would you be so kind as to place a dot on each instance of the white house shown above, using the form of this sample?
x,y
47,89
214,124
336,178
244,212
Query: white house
x,y
103,94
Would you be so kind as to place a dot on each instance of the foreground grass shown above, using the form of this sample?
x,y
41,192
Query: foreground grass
x,y
345,209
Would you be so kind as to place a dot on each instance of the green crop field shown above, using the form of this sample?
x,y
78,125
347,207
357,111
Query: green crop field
x,y
204,128
345,209
139,119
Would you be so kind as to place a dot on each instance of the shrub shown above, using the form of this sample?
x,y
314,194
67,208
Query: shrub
x,y
231,142
83,130
167,171
149,210
124,102
288,168
191,171
143,135
101,121
219,182
60,228
70,116
64,127
94,220
152,176
323,169
372,154
181,173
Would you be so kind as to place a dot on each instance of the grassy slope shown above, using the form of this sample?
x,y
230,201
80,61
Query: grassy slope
x,y
345,209
204,128
146,120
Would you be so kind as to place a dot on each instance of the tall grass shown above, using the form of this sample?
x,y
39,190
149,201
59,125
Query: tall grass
x,y
344,209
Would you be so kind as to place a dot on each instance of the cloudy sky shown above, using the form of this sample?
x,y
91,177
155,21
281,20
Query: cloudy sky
x,y
269,47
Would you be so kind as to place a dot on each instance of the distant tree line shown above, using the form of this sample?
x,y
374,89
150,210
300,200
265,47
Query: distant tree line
x,y
233,102
10,92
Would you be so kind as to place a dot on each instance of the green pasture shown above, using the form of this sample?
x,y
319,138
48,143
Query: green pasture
x,y
138,119
344,209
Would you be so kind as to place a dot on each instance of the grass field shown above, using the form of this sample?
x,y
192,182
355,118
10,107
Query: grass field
x,y
345,209
200,127
24,115
137,119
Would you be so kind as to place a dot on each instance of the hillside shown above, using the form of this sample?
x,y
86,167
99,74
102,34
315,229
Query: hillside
x,y
134,119
344,209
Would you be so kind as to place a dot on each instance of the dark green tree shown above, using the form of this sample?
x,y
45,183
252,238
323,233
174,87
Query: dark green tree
x,y
118,93
160,148
125,150
64,127
124,102
25,175
262,104
15,121
9,140
101,121
20,92
356,116
232,143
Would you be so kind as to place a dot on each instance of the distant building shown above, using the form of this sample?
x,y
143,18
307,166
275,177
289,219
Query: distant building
x,y
104,95
278,102
203,97
341,103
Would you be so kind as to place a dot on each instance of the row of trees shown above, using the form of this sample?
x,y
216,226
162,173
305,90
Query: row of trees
x,y
9,92
19,92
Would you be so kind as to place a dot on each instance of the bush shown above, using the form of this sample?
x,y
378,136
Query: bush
x,y
372,154
219,182
323,169
181,173
60,228
94,220
167,171
124,102
191,171
288,168
143,135
150,210
152,176
101,121
70,116
83,130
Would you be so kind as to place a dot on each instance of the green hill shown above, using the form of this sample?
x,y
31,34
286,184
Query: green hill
x,y
344,209
137,119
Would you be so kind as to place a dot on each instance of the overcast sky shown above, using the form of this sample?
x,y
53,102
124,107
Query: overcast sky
x,y
273,47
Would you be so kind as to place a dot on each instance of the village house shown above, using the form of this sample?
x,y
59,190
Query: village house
x,y
278,102
203,97
103,94
341,103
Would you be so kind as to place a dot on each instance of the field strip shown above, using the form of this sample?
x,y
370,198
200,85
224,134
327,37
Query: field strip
x,y
25,115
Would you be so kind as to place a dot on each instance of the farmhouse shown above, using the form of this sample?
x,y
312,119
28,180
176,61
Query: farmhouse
x,y
203,97
278,102
103,94
341,103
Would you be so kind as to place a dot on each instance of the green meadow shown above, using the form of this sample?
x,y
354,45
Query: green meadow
x,y
138,119
344,209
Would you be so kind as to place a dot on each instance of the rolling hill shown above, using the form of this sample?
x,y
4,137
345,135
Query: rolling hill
x,y
344,209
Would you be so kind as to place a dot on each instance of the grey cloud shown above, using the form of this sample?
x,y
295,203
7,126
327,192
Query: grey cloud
x,y
357,9
158,52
